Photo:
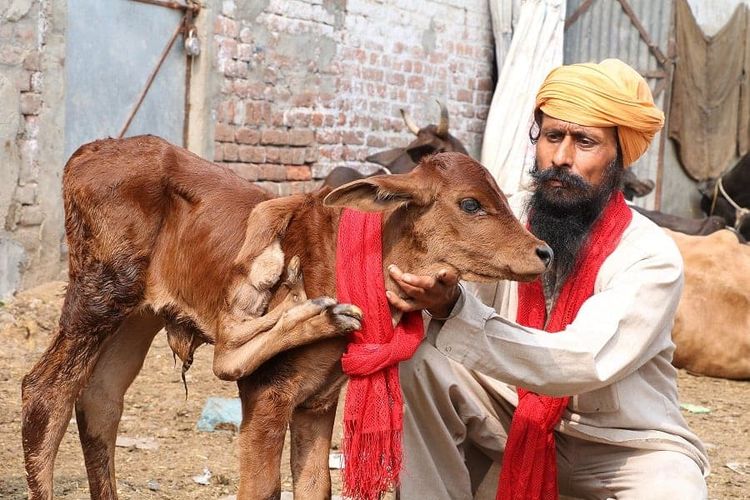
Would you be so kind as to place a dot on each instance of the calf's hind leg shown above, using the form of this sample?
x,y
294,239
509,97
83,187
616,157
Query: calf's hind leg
x,y
99,407
96,302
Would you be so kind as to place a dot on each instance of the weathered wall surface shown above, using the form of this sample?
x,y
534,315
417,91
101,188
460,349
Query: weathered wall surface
x,y
31,125
307,85
283,91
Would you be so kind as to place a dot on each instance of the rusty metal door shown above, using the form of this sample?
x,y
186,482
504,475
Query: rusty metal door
x,y
125,70
638,32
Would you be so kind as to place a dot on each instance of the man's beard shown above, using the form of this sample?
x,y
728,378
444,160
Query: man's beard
x,y
563,215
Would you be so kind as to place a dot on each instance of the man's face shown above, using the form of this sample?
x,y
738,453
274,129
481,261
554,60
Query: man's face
x,y
583,152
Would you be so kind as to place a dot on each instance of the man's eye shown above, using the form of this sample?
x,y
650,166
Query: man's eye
x,y
470,205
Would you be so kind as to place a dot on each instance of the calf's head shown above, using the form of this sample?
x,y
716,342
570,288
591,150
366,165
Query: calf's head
x,y
448,212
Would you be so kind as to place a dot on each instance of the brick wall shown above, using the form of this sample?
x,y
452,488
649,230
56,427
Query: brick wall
x,y
307,85
31,116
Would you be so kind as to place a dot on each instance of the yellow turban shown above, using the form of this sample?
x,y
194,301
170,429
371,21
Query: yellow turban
x,y
608,94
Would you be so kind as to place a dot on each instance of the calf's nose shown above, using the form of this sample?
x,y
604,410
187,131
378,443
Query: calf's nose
x,y
545,253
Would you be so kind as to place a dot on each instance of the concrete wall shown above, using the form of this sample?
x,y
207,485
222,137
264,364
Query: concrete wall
x,y
308,85
31,157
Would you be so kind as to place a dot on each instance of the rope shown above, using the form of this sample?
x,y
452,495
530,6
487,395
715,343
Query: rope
x,y
740,212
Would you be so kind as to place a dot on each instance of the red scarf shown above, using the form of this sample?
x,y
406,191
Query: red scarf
x,y
529,469
373,412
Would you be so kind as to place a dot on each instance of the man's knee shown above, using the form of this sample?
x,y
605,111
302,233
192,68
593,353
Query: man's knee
x,y
668,474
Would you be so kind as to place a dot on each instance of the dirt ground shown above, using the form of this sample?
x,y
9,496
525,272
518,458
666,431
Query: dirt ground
x,y
156,408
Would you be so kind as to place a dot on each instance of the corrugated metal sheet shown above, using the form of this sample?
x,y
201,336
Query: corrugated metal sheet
x,y
605,30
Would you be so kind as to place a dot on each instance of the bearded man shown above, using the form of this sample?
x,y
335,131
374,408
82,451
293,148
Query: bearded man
x,y
566,381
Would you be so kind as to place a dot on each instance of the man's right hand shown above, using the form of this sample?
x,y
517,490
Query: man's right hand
x,y
437,294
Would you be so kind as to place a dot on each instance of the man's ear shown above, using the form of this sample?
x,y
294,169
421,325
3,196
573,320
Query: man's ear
x,y
381,193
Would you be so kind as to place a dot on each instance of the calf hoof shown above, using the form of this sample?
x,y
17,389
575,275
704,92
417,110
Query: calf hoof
x,y
347,318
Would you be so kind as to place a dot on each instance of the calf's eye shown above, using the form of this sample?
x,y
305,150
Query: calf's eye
x,y
470,205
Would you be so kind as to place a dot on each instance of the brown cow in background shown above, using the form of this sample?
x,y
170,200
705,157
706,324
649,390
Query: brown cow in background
x,y
712,324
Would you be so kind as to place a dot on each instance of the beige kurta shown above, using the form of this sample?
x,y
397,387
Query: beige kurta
x,y
615,358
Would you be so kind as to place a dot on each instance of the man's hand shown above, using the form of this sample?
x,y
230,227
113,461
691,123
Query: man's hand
x,y
438,294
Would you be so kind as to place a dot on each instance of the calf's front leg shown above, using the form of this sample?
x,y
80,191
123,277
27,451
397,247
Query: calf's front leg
x,y
311,430
243,345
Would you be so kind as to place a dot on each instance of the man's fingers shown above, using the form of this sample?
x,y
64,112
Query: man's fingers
x,y
423,282
399,303
412,291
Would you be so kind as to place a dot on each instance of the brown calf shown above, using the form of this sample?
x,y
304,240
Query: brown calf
x,y
159,237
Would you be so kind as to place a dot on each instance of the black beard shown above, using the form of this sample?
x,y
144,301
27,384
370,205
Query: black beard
x,y
563,215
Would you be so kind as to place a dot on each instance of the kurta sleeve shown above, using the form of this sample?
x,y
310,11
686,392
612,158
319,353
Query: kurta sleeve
x,y
621,326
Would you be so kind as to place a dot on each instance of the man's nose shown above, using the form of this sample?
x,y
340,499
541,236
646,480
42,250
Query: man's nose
x,y
565,153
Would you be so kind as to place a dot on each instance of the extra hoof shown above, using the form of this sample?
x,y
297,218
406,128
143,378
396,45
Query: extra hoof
x,y
324,302
348,310
348,318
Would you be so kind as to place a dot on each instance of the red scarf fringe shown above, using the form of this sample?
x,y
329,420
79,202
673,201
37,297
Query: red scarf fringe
x,y
373,411
529,469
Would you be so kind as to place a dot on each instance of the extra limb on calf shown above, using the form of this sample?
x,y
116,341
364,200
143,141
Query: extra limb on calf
x,y
159,237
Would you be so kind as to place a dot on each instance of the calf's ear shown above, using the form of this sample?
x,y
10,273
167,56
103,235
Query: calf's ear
x,y
381,193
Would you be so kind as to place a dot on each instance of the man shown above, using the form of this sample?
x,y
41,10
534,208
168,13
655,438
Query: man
x,y
590,411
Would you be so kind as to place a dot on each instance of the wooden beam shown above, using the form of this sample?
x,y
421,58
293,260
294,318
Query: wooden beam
x,y
581,10
642,31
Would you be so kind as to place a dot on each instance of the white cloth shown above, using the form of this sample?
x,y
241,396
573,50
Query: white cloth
x,y
536,48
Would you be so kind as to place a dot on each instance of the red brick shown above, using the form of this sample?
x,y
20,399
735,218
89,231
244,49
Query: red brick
x,y
396,79
244,51
225,27
246,170
257,113
218,151
297,156
375,141
301,137
273,155
372,74
312,155
230,151
246,89
246,135
252,154
227,48
298,173
32,62
464,95
326,136
272,172
31,104
415,82
23,82
274,136
224,132
353,137
304,100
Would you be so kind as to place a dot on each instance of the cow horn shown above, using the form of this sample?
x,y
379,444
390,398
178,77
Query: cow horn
x,y
409,122
442,129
